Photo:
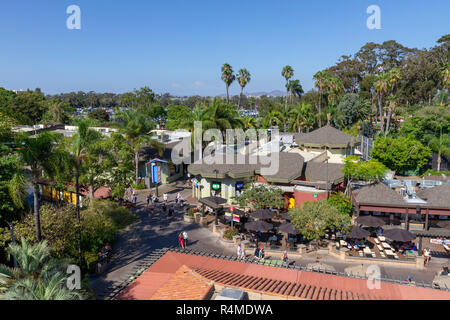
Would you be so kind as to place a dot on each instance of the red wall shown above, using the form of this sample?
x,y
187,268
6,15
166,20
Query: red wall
x,y
302,196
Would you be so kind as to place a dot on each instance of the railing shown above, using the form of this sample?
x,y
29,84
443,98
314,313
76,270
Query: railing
x,y
157,254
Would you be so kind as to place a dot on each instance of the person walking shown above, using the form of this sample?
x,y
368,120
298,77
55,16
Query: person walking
x,y
149,198
180,240
178,198
165,197
240,252
284,257
185,238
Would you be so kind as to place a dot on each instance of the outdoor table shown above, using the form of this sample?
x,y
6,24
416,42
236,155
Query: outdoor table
x,y
390,254
367,252
377,241
381,238
380,248
385,245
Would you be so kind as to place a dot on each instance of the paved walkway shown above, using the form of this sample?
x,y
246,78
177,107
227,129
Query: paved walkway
x,y
158,231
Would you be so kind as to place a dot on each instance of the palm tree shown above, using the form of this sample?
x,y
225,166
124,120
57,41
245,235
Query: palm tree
x,y
136,129
272,118
295,89
79,148
244,78
250,123
381,86
228,77
440,145
321,78
394,78
287,73
301,117
38,276
446,76
38,153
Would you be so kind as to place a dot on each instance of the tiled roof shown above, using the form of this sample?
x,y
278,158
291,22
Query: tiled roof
x,y
273,281
438,196
326,136
378,193
184,285
317,172
290,166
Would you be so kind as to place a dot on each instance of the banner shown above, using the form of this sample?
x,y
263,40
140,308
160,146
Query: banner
x,y
228,216
236,218
439,241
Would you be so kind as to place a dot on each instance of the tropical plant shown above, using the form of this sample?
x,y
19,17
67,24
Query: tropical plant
x,y
228,77
38,277
137,131
287,73
295,89
301,117
314,218
243,77
321,83
39,154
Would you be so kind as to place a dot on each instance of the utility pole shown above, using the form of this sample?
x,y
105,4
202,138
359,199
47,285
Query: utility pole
x,y
327,172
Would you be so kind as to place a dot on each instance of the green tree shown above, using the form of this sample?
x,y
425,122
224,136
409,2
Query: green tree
x,y
295,89
39,154
261,196
228,77
137,131
441,145
57,112
39,277
100,115
81,143
401,154
301,117
243,77
314,218
341,202
287,73
321,83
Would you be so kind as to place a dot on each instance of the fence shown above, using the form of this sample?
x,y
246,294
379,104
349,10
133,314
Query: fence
x,y
365,147
52,194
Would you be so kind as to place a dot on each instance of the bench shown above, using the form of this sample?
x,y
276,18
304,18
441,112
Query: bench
x,y
446,248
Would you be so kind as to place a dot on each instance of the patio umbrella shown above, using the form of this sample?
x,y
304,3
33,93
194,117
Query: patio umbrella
x,y
358,233
400,235
258,226
444,224
215,200
262,214
288,228
370,221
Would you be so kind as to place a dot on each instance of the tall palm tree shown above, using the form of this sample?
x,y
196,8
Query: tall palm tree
x,y
79,148
295,89
38,153
394,78
301,117
38,276
136,129
287,73
321,83
440,145
381,86
250,123
228,77
243,78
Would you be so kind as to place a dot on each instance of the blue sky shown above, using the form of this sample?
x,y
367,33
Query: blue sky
x,y
179,46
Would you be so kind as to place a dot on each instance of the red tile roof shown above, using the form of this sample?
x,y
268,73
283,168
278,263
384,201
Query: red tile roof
x,y
288,283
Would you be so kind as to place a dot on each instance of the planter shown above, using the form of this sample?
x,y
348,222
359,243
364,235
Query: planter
x,y
189,219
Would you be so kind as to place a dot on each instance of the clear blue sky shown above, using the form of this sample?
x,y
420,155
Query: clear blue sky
x,y
178,46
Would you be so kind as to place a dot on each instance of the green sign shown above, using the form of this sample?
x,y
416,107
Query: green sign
x,y
215,186
315,195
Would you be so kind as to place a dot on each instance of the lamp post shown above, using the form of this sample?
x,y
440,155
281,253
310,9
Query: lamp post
x,y
327,175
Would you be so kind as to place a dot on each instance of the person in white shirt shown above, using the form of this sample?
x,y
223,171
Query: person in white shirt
x,y
185,238
165,197
240,252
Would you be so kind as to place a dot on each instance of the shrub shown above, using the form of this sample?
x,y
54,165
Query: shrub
x,y
341,202
230,233
140,186
190,212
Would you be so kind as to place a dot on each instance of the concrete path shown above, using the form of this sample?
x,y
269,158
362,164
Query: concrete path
x,y
158,231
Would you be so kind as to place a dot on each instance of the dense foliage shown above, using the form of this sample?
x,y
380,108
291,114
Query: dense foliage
x,y
261,196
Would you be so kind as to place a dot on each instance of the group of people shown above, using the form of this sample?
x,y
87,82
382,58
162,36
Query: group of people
x,y
182,239
259,253
130,195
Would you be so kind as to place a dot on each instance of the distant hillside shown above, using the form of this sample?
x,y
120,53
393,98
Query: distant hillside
x,y
274,93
